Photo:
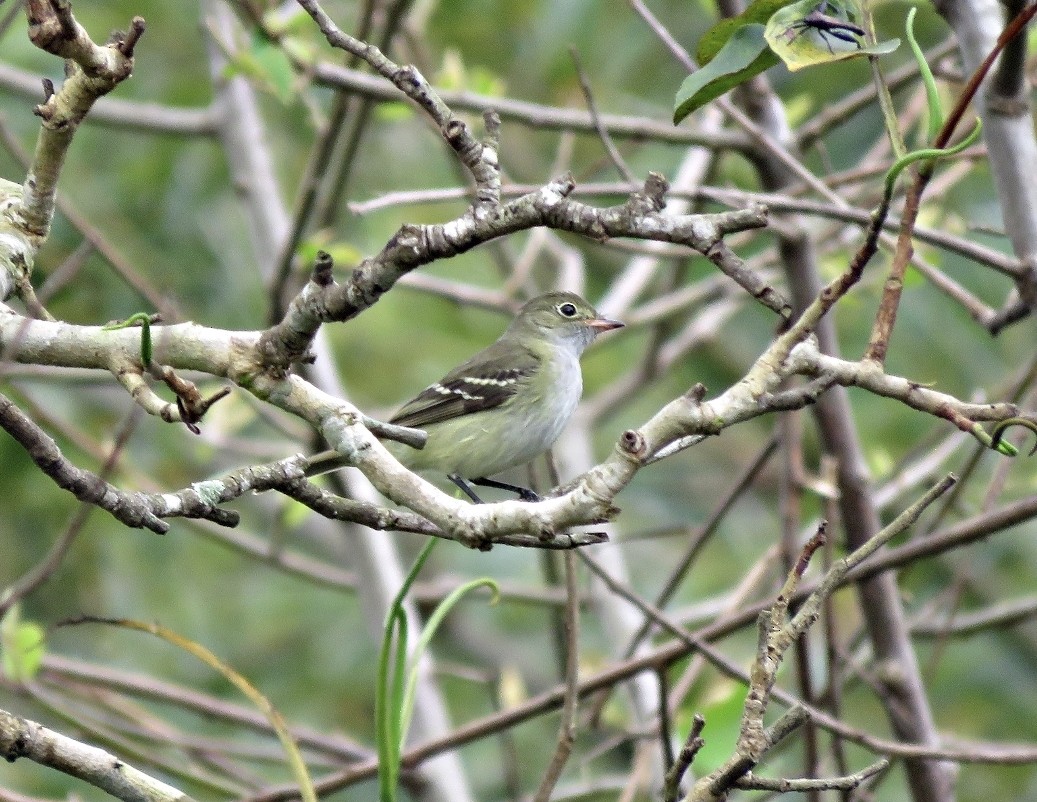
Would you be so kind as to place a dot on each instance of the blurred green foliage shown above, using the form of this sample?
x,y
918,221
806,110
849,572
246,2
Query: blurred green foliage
x,y
166,204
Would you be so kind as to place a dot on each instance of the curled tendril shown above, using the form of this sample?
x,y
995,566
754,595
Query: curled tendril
x,y
927,154
144,320
999,430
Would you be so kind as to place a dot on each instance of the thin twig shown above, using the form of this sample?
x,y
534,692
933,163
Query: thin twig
x,y
603,134
567,727
30,581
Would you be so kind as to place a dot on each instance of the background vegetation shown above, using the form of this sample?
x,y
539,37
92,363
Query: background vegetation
x,y
154,215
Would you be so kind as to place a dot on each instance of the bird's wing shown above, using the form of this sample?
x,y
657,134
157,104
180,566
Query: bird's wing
x,y
477,385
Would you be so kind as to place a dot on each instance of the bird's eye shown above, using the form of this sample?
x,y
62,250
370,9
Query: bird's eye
x,y
567,310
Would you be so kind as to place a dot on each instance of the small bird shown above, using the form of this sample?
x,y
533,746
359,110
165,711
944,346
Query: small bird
x,y
505,405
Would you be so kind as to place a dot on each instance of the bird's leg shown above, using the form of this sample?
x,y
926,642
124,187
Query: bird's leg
x,y
466,488
523,493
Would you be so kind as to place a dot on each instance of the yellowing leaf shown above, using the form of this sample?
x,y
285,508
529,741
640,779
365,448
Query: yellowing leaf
x,y
807,33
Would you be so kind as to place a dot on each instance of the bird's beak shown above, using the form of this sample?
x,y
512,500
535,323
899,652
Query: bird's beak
x,y
600,324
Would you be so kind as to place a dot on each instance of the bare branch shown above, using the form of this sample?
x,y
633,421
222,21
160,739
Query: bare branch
x,y
23,738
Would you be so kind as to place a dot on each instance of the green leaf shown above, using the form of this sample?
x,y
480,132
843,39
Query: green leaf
x,y
268,65
932,93
275,69
290,20
390,730
744,55
456,75
427,632
21,647
713,40
804,36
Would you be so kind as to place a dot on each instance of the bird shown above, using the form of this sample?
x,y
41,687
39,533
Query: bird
x,y
505,405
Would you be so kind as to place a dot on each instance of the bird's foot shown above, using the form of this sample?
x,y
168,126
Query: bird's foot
x,y
524,493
